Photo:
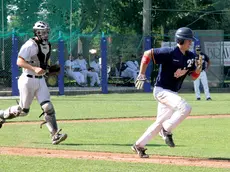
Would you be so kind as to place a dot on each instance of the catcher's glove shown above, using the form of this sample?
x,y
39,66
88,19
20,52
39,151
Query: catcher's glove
x,y
198,63
139,83
54,69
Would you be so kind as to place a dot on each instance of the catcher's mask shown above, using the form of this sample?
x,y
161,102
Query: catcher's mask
x,y
182,34
41,30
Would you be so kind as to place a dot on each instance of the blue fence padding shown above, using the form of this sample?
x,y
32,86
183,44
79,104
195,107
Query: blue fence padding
x,y
104,80
14,66
148,46
61,63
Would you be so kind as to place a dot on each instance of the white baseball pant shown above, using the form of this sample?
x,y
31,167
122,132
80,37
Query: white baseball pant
x,y
172,110
77,76
204,80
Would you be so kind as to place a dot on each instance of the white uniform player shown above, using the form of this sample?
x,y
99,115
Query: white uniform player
x,y
94,78
132,70
33,57
203,76
72,69
96,65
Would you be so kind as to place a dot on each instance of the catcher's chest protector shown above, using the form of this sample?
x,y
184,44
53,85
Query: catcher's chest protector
x,y
43,53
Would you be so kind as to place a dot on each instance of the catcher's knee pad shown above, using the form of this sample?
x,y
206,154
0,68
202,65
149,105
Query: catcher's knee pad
x,y
15,111
184,107
49,116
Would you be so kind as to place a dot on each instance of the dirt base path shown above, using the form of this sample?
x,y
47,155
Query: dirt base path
x,y
119,119
180,161
172,160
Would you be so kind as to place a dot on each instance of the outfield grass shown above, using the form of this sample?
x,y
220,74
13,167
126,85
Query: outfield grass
x,y
120,105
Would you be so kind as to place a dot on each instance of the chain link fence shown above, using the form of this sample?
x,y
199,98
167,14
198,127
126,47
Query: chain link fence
x,y
120,50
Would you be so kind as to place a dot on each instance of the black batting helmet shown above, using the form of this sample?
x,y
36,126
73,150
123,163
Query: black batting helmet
x,y
184,33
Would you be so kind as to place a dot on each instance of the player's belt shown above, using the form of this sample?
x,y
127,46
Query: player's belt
x,y
33,76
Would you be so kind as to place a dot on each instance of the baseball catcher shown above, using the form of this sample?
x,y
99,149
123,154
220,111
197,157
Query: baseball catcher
x,y
33,58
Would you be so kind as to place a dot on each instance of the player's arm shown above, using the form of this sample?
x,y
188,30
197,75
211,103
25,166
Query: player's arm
x,y
198,68
147,57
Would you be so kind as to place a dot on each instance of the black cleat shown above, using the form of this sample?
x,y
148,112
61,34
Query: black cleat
x,y
209,98
198,98
167,137
58,138
140,151
2,121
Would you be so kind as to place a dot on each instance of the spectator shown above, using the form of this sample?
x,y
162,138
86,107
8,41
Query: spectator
x,y
87,72
95,66
131,70
72,69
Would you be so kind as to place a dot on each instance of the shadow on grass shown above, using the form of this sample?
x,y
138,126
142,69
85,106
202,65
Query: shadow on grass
x,y
219,158
104,144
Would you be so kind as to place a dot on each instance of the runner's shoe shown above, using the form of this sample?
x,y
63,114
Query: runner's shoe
x,y
140,151
167,137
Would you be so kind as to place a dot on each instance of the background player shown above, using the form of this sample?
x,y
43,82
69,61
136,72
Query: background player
x,y
33,57
175,64
203,76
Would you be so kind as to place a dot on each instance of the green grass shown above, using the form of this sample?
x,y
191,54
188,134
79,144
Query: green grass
x,y
38,164
204,138
120,105
194,138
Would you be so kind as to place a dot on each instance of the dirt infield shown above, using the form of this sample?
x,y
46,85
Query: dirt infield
x,y
172,160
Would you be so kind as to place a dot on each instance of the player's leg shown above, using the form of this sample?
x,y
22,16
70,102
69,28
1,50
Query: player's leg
x,y
180,107
43,97
85,73
92,76
26,92
183,109
81,78
97,78
204,81
197,88
164,113
77,78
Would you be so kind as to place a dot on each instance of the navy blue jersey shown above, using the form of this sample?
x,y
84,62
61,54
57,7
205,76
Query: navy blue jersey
x,y
174,67
205,60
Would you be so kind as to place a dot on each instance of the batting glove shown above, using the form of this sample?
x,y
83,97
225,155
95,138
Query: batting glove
x,y
139,83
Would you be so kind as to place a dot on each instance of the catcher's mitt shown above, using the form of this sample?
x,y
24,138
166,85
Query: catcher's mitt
x,y
54,69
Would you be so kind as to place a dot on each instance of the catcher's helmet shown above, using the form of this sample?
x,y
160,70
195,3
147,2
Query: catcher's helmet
x,y
184,33
41,30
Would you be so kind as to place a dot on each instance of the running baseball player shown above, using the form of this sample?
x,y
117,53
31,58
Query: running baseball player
x,y
175,64
33,58
203,76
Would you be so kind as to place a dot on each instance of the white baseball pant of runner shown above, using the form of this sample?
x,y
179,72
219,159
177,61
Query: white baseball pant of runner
x,y
204,80
172,110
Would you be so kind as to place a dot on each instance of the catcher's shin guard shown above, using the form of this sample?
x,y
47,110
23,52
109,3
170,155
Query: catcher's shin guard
x,y
49,116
